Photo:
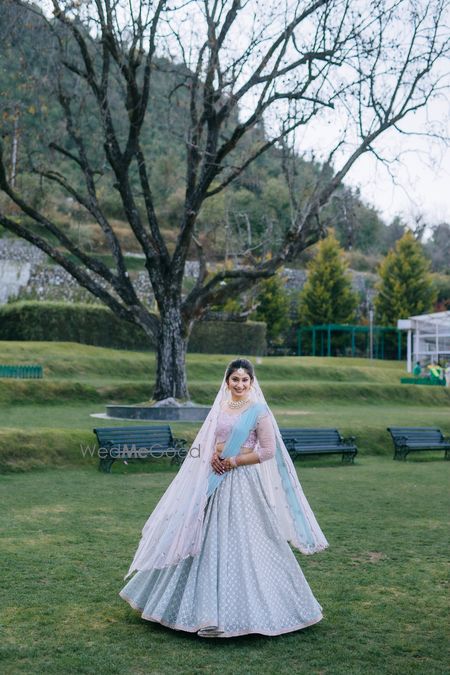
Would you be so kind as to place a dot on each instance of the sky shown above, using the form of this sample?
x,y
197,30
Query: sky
x,y
419,190
421,174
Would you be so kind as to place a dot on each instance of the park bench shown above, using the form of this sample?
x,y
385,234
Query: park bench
x,y
318,442
410,439
137,443
21,372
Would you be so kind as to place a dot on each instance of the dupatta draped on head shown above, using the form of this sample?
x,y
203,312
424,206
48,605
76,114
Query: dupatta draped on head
x,y
174,529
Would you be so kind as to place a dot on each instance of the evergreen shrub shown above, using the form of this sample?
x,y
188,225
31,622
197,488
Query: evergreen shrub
x,y
405,287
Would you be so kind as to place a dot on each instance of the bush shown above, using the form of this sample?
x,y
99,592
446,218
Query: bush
x,y
273,308
441,285
405,286
327,296
60,322
228,337
97,325
362,262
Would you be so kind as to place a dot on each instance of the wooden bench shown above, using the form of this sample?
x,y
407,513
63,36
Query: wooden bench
x,y
137,443
318,442
21,372
410,439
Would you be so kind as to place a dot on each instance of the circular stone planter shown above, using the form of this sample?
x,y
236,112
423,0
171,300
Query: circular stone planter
x,y
188,413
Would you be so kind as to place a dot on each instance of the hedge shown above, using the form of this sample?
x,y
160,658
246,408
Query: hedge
x,y
228,337
97,325
61,322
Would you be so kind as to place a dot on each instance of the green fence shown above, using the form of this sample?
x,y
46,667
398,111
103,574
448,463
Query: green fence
x,y
22,372
386,342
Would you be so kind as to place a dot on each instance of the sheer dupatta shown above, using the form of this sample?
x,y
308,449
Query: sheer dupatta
x,y
174,529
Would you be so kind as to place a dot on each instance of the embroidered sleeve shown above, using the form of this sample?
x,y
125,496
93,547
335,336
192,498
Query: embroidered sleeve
x,y
266,438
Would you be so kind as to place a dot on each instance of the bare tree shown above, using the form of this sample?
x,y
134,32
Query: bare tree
x,y
286,65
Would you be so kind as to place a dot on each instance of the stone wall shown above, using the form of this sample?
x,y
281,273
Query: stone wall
x,y
18,259
26,274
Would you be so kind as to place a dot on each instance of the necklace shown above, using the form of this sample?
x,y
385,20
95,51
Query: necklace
x,y
237,404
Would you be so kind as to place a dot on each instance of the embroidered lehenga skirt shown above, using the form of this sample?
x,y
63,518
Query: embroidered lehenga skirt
x,y
245,579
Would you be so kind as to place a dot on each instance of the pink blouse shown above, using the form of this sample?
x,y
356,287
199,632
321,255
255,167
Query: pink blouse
x,y
262,435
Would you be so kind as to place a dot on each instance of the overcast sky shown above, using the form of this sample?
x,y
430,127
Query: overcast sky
x,y
422,175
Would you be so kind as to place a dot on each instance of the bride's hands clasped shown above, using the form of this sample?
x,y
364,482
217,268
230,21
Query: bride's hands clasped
x,y
219,465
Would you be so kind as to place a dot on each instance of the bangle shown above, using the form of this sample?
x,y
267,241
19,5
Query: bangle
x,y
233,462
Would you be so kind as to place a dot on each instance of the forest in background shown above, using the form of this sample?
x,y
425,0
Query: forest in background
x,y
252,213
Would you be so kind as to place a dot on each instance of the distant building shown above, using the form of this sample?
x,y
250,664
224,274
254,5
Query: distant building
x,y
428,338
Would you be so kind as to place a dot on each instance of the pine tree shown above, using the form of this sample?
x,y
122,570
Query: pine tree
x,y
273,308
327,296
405,287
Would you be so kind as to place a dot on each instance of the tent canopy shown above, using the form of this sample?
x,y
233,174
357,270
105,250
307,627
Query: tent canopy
x,y
428,337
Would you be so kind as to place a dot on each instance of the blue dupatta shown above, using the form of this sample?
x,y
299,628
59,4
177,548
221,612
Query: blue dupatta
x,y
301,523
239,434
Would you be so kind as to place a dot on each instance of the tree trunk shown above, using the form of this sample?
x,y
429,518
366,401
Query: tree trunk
x,y
171,355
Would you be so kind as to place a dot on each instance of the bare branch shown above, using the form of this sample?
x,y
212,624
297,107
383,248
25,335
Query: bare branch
x,y
253,74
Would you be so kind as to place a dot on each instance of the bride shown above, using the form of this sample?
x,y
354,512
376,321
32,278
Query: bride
x,y
214,557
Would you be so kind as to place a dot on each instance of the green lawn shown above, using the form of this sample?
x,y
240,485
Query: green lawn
x,y
67,360
43,422
69,535
76,415
69,532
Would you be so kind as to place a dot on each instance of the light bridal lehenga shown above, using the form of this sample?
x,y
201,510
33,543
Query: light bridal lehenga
x,y
228,570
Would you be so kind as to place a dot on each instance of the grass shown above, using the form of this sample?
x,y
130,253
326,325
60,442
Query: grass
x,y
69,360
33,436
69,532
69,536
43,422
284,392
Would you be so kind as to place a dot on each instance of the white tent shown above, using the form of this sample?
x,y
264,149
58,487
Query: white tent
x,y
428,338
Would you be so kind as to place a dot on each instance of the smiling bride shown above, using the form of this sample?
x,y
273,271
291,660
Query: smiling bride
x,y
214,556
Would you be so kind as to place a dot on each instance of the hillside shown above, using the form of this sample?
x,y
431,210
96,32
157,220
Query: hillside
x,y
256,204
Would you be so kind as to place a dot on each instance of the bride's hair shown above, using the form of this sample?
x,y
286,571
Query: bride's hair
x,y
240,363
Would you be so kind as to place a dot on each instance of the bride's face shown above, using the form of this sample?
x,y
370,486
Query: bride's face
x,y
239,385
